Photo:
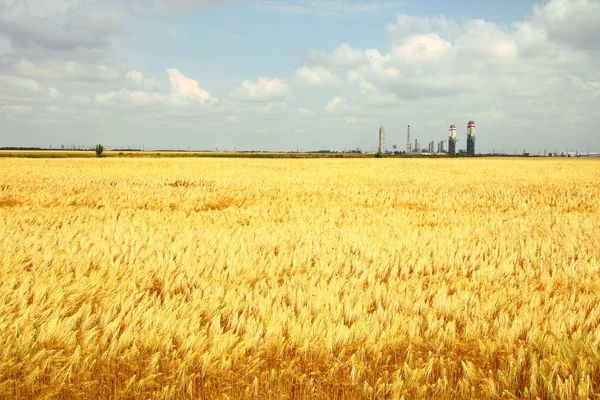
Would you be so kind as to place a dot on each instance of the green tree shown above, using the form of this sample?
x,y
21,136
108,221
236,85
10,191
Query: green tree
x,y
99,150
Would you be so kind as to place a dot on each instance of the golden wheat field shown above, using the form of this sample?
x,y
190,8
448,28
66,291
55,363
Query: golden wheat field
x,y
297,279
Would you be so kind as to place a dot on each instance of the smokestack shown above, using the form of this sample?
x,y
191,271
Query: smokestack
x,y
452,140
381,140
471,138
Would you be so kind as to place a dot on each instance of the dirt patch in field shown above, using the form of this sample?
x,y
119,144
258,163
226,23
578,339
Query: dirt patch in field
x,y
9,201
182,183
221,203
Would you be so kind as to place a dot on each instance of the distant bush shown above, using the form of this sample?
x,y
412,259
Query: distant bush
x,y
99,150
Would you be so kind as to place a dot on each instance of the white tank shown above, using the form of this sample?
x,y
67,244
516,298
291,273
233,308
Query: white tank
x,y
471,129
452,132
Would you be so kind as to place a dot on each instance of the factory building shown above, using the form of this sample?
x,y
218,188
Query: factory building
x,y
441,147
471,138
435,147
452,140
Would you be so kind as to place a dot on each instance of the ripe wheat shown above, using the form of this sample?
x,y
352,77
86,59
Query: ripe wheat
x,y
337,279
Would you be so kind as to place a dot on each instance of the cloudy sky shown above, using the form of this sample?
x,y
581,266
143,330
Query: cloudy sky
x,y
282,74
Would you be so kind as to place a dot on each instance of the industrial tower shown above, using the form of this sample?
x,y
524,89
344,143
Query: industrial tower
x,y
471,138
381,140
408,147
452,140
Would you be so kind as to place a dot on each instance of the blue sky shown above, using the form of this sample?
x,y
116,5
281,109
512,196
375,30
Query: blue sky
x,y
275,75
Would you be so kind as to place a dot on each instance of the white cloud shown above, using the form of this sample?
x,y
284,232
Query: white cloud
x,y
407,84
5,46
407,26
276,107
342,57
570,22
489,115
105,98
485,41
358,121
354,78
48,8
186,5
15,88
54,93
184,89
333,104
71,71
16,82
316,76
328,8
83,100
583,84
473,57
428,47
264,89
135,97
67,30
137,80
15,109
305,112
374,56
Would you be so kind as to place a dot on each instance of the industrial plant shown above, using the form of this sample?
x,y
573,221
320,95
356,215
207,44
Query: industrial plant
x,y
471,138
452,140
381,140
433,147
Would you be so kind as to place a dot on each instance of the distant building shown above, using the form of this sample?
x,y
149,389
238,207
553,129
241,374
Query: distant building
x,y
452,140
471,138
381,140
441,147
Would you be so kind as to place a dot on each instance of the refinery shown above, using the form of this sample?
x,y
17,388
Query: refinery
x,y
439,148
434,147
